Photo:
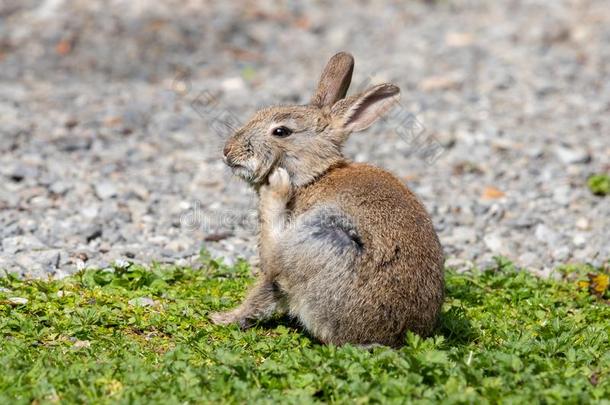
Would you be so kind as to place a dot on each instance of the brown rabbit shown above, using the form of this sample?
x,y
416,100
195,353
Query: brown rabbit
x,y
345,247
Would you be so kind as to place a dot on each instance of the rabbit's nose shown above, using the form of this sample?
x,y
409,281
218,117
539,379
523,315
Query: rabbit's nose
x,y
226,150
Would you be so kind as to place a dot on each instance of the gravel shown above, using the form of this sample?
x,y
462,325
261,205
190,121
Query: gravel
x,y
112,120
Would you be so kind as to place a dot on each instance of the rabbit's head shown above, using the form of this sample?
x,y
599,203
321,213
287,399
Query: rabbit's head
x,y
306,139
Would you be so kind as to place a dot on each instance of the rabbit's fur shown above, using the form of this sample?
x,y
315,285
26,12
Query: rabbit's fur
x,y
345,247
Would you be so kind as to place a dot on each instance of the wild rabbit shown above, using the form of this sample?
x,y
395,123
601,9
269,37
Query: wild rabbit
x,y
345,247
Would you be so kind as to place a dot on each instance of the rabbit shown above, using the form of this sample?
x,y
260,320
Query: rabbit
x,y
345,248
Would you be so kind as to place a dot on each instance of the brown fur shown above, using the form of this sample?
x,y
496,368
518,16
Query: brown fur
x,y
345,248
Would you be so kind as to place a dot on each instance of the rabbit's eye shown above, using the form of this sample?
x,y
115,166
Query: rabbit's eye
x,y
281,132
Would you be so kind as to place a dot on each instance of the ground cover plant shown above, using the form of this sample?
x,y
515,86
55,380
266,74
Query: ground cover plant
x,y
135,335
599,184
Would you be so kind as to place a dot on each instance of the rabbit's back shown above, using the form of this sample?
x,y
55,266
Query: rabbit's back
x,y
362,262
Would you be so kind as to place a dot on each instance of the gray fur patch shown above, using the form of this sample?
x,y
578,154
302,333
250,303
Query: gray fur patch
x,y
336,229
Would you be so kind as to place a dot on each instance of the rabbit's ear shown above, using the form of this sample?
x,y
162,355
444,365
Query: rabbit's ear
x,y
334,81
357,113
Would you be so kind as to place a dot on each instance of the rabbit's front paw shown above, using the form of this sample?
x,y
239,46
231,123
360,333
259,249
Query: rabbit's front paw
x,y
227,318
279,184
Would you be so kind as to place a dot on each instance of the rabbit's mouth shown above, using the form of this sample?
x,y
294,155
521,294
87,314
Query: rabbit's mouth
x,y
251,171
243,172
247,174
239,170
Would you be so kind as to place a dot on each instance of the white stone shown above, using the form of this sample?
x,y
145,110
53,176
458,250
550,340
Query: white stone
x,y
579,240
233,84
545,234
572,155
493,242
21,243
142,302
105,189
18,300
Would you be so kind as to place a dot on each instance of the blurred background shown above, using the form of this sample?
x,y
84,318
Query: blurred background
x,y
113,115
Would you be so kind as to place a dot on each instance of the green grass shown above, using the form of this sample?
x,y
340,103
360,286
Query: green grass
x,y
505,336
599,184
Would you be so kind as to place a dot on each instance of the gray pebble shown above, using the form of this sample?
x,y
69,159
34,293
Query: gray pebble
x,y
530,260
105,189
21,243
463,234
59,187
561,253
494,243
572,155
545,234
